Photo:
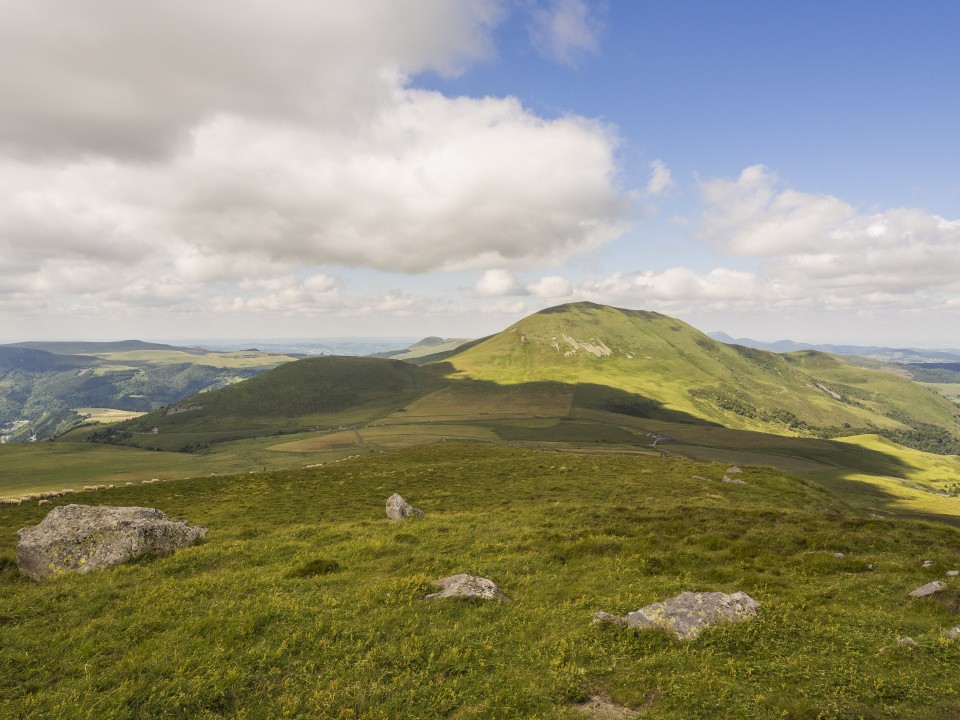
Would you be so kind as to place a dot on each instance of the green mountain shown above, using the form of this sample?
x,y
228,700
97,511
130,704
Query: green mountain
x,y
581,362
680,370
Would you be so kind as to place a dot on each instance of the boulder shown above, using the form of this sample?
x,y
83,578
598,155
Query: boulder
x,y
467,586
688,613
400,509
929,589
81,538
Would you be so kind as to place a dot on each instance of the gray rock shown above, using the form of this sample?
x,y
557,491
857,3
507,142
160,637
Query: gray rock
x,y
735,481
839,555
927,564
400,509
906,642
467,586
953,633
953,573
688,613
734,469
929,589
81,538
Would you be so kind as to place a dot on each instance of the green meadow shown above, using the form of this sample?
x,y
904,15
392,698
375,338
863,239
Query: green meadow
x,y
304,601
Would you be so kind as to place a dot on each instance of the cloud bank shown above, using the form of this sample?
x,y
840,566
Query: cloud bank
x,y
149,152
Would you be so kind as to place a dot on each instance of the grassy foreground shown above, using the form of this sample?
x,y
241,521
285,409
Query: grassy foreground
x,y
304,601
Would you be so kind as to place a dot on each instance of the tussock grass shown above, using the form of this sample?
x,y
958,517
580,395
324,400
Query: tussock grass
x,y
226,629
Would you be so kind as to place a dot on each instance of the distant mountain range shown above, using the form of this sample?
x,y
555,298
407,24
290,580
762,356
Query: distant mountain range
x,y
888,354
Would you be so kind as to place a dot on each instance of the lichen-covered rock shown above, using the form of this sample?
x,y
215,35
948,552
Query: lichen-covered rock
x,y
688,613
400,509
929,589
81,538
467,586
735,481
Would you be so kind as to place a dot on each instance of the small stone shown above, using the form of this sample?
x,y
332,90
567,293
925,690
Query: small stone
x,y
400,509
953,633
927,564
953,573
735,481
734,469
467,586
929,589
906,642
839,555
870,567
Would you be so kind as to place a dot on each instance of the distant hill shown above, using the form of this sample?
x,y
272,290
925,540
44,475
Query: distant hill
x,y
96,348
40,389
890,354
321,391
677,369
573,361
428,347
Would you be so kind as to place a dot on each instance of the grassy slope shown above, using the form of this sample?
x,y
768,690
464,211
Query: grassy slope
x,y
310,393
657,357
225,629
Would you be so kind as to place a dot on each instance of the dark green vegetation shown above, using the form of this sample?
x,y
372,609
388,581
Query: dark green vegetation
x,y
304,601
934,372
307,394
43,384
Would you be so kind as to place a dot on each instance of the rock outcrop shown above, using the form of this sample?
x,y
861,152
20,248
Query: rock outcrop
x,y
929,589
688,613
81,538
467,586
400,509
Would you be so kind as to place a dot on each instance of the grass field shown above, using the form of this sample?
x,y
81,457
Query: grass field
x,y
236,627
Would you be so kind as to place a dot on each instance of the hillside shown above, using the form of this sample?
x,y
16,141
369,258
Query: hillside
x,y
304,601
670,369
305,394
44,393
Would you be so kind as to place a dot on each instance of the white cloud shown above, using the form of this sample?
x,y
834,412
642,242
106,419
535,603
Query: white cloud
x,y
747,216
819,245
660,178
551,287
136,155
564,30
498,282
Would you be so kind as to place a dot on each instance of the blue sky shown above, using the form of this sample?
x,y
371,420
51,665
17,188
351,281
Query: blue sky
x,y
771,169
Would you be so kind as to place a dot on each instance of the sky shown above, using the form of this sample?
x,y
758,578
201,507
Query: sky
x,y
297,169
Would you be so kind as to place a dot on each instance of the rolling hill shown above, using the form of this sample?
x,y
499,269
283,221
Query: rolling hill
x,y
576,376
675,369
45,389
